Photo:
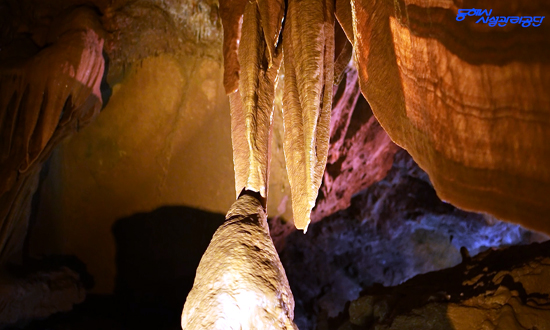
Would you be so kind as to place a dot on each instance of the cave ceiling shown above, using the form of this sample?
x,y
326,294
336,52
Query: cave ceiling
x,y
466,99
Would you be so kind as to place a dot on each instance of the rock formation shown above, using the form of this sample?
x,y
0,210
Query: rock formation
x,y
259,58
449,91
47,93
252,53
41,288
357,142
467,100
308,47
393,230
502,289
240,282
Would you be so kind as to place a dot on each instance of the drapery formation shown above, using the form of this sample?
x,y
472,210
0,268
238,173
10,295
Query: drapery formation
x,y
253,52
45,95
467,100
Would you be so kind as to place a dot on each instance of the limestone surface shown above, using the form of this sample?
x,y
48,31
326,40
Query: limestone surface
x,y
240,282
467,100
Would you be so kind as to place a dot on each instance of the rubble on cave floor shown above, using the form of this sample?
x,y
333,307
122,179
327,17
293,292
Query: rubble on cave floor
x,y
497,289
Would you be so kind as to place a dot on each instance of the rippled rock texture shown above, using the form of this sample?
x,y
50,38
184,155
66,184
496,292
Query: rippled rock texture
x,y
467,100
50,87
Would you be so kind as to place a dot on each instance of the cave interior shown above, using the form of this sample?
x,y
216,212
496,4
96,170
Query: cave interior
x,y
270,164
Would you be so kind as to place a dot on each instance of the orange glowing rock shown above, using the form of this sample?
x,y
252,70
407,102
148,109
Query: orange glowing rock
x,y
43,99
469,102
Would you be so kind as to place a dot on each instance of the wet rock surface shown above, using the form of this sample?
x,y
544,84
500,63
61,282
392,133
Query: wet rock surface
x,y
394,230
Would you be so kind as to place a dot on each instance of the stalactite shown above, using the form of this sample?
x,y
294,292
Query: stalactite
x,y
308,46
259,58
252,56
231,13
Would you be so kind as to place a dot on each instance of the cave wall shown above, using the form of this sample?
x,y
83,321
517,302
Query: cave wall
x,y
468,101
162,139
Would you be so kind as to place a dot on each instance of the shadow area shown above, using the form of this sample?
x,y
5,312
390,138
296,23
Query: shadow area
x,y
157,254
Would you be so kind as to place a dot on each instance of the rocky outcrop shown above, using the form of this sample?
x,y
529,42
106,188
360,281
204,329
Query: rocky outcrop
x,y
360,151
497,289
42,288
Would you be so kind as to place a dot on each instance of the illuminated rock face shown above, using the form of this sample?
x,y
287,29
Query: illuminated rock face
x,y
240,282
360,151
252,103
308,48
468,101
252,54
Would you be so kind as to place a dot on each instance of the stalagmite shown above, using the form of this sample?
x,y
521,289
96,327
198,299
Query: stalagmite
x,y
240,282
308,46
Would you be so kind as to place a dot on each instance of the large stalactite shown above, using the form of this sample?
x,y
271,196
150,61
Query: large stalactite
x,y
309,70
252,53
259,58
